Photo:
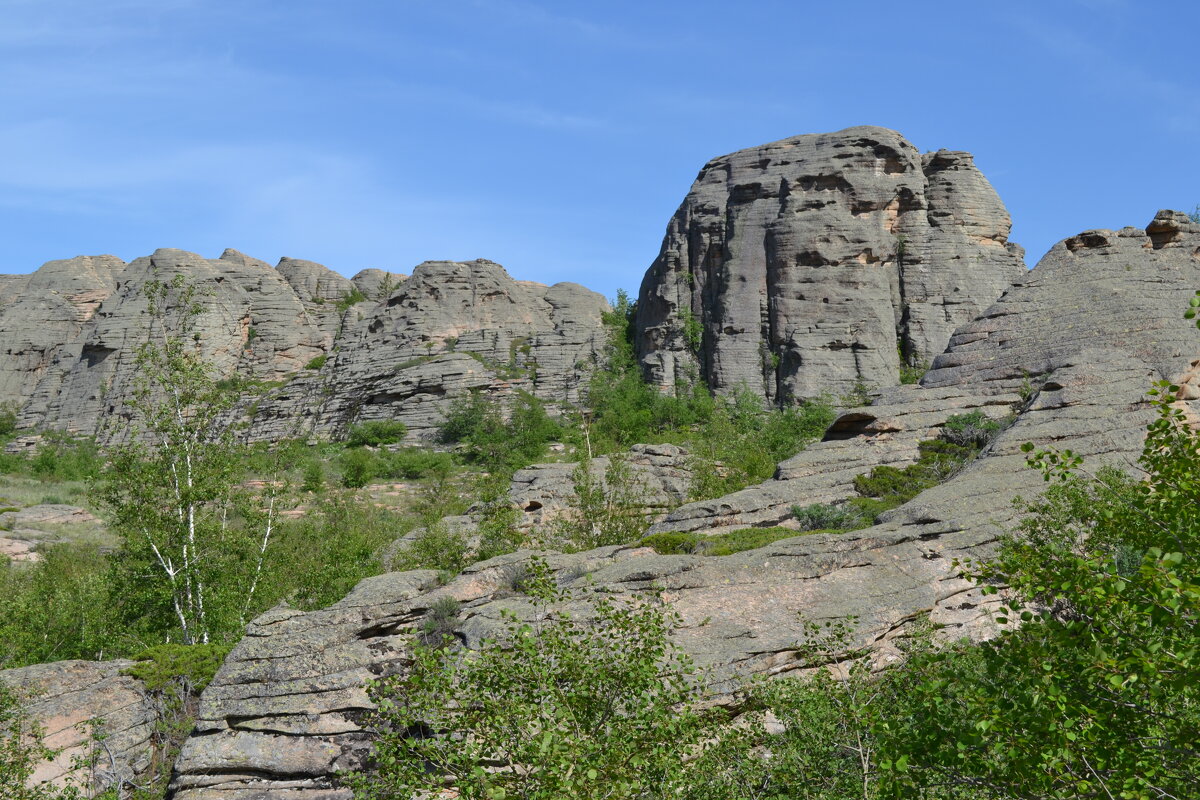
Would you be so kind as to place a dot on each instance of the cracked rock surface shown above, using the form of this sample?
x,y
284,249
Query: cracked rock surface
x,y
64,697
70,333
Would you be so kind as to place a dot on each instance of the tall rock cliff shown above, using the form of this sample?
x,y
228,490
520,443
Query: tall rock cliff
x,y
806,265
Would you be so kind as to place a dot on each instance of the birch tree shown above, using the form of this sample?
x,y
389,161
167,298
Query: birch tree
x,y
194,545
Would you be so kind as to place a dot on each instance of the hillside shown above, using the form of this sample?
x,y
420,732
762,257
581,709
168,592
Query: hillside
x,y
845,269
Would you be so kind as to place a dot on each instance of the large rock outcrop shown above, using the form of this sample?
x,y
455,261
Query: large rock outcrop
x,y
804,266
405,350
286,712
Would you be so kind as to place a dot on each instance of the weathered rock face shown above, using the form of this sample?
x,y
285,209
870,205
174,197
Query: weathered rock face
x,y
1102,310
450,328
808,264
43,315
64,697
71,332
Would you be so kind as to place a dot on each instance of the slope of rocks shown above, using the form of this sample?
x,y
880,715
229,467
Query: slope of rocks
x,y
71,331
286,712
806,265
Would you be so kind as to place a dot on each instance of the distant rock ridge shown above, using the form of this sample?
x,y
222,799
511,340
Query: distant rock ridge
x,y
803,266
380,345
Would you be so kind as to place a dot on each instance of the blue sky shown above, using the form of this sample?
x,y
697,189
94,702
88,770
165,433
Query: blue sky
x,y
556,138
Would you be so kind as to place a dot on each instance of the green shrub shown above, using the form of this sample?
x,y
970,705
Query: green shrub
x,y
8,421
317,362
974,429
579,708
62,457
313,477
358,467
412,463
350,298
58,608
376,432
438,626
179,667
823,516
434,547
315,560
490,440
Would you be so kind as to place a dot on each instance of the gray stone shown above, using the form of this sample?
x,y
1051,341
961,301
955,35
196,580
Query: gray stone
x,y
812,263
70,352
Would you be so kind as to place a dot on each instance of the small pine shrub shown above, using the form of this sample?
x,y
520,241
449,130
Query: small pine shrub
x,y
974,429
376,432
825,516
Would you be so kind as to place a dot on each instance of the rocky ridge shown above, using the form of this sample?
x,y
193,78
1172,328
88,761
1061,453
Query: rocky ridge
x,y
71,332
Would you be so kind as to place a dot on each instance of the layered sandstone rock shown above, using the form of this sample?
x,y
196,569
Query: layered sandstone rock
x,y
449,329
807,265
66,699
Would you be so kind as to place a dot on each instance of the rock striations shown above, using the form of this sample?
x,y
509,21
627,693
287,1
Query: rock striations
x,y
806,265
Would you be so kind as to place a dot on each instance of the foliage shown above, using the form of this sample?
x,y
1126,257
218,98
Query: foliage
x,y
886,487
358,468
823,743
743,441
556,707
1097,693
438,626
433,547
973,429
493,442
912,373
57,608
58,457
376,432
8,420
608,509
824,516
317,361
692,330
315,560
350,298
192,666
721,544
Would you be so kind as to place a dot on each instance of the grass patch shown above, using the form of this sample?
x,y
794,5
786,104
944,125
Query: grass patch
x,y
723,544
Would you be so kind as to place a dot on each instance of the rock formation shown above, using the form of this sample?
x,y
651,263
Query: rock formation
x,y
806,265
285,712
71,332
